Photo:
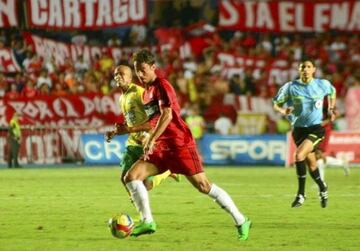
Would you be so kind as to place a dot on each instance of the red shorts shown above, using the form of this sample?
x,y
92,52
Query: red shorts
x,y
184,161
325,142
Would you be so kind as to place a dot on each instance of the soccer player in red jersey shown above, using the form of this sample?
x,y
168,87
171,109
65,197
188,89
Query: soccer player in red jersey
x,y
169,145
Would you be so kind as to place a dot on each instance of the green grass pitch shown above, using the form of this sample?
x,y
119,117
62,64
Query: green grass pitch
x,y
68,209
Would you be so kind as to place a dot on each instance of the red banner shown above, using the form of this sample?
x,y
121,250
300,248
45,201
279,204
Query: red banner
x,y
7,61
290,16
48,125
80,14
61,51
8,14
278,71
79,110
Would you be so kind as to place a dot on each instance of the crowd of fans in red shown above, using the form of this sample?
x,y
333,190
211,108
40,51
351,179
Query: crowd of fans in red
x,y
197,79
198,76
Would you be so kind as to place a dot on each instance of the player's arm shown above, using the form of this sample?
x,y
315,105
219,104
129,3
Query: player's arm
x,y
163,122
145,127
324,122
110,134
284,111
120,129
280,99
332,103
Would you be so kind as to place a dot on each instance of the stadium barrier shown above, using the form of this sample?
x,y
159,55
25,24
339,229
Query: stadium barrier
x,y
215,149
265,149
96,150
42,145
48,144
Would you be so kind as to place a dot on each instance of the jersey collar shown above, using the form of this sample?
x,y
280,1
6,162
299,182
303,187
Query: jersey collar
x,y
303,83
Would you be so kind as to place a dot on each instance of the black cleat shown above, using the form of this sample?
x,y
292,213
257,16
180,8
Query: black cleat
x,y
299,200
323,198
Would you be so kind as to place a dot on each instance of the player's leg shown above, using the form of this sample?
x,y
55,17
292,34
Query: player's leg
x,y
175,176
331,161
321,162
316,137
314,173
321,149
201,182
300,155
10,154
130,156
342,162
154,181
346,165
16,154
134,182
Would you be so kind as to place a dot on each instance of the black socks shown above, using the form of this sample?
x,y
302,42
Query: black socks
x,y
301,173
316,177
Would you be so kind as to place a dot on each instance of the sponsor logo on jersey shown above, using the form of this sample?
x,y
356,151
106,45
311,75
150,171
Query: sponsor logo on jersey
x,y
152,108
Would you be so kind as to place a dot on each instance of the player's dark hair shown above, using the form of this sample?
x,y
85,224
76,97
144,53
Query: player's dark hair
x,y
306,59
144,56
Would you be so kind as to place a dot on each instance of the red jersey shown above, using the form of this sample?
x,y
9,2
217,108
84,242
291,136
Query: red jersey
x,y
177,134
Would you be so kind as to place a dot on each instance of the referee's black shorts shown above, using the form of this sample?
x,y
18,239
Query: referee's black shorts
x,y
313,133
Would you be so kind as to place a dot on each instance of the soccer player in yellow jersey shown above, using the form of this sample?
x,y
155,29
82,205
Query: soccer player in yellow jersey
x,y
133,110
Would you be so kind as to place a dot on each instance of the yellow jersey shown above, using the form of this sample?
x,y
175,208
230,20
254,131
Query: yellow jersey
x,y
133,109
15,129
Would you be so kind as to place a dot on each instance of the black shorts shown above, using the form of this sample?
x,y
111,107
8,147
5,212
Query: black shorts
x,y
313,133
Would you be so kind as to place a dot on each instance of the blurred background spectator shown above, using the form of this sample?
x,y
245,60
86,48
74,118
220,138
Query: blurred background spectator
x,y
14,141
223,125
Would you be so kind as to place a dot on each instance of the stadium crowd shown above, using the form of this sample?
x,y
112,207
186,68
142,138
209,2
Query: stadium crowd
x,y
198,77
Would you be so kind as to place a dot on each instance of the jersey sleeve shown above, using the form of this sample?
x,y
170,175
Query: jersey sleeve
x,y
139,93
283,95
331,91
164,94
120,103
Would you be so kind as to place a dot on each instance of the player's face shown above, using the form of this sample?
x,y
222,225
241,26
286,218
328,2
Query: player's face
x,y
145,72
306,70
122,77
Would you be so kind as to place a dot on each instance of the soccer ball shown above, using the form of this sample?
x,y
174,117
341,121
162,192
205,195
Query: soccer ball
x,y
121,225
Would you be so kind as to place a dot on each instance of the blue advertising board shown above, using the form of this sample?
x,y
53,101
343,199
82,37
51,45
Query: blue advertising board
x,y
265,149
268,149
97,151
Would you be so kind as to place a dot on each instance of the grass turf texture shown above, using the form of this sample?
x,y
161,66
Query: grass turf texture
x,y
68,209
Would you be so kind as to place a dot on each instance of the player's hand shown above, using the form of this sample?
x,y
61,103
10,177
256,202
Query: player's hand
x,y
325,122
149,144
109,135
121,129
288,110
332,114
